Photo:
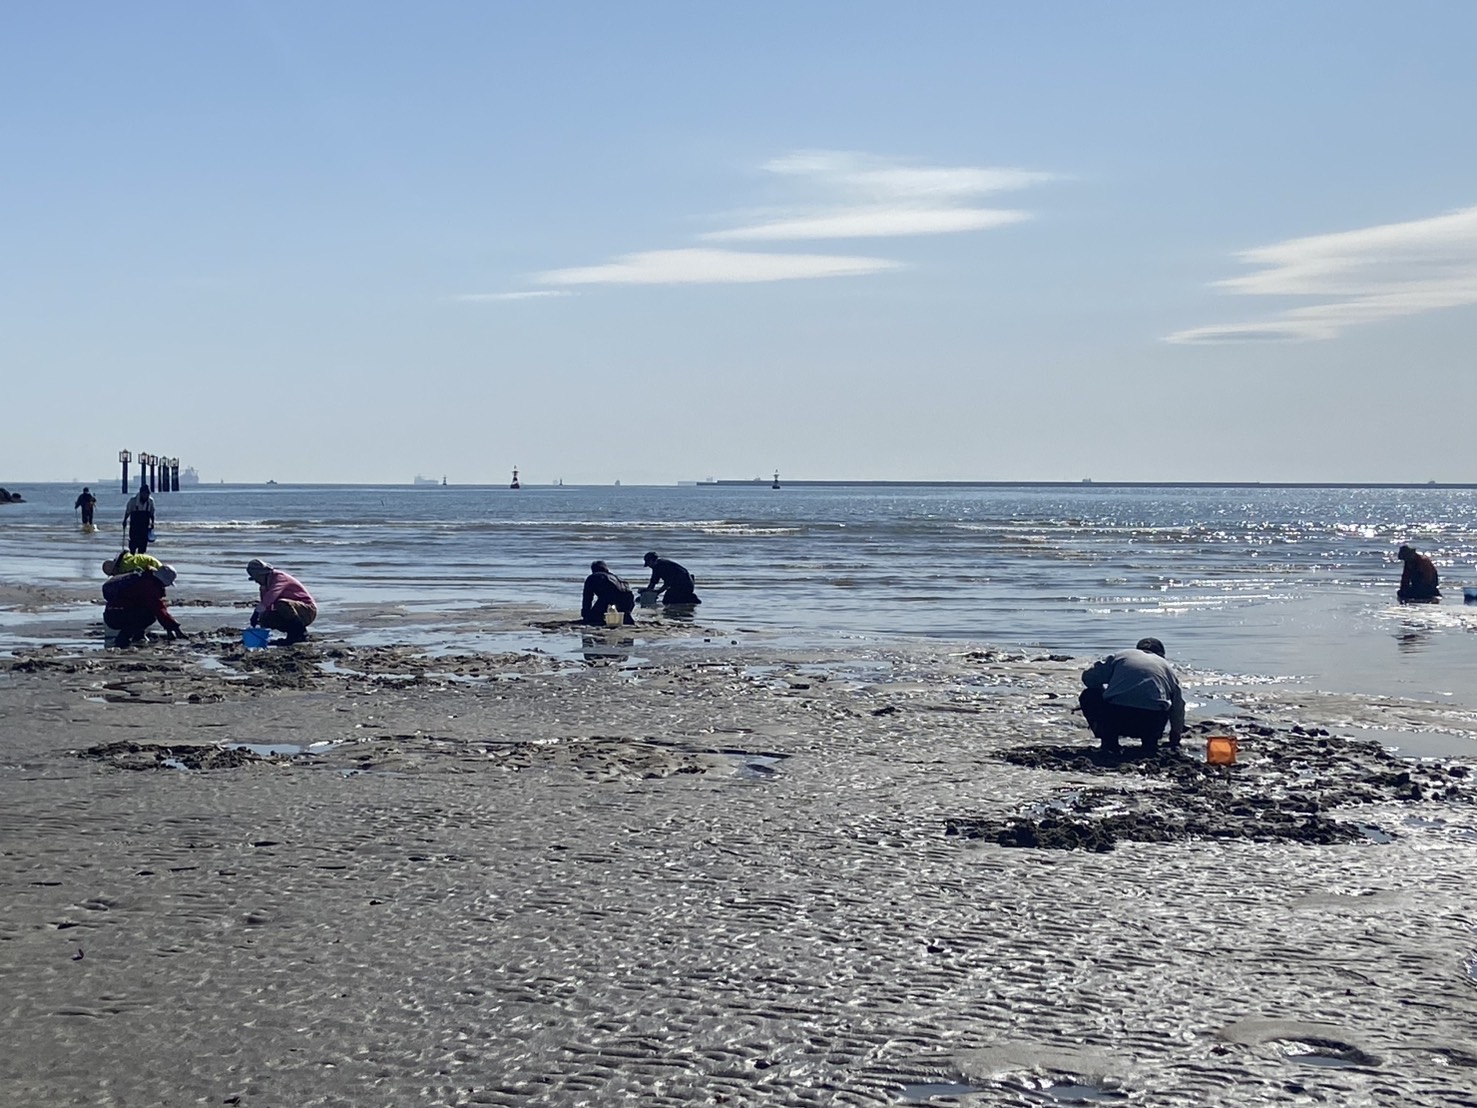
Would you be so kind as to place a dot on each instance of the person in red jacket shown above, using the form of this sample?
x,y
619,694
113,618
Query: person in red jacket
x,y
135,601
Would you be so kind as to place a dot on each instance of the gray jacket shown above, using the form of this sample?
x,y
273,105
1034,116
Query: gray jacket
x,y
1138,679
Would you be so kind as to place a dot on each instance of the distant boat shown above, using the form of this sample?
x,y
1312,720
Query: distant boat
x,y
271,482
419,480
188,476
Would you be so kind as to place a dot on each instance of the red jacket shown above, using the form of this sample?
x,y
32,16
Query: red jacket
x,y
139,592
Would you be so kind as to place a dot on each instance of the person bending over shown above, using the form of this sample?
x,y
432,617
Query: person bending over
x,y
285,605
130,563
135,601
138,520
676,582
604,590
1132,695
1419,581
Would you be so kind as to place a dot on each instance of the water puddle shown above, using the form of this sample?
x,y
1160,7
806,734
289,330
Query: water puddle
x,y
1325,1053
282,750
1419,744
599,653
920,1092
1423,824
1072,1093
755,767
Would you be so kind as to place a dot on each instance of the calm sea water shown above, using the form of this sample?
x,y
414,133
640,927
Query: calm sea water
x,y
1276,582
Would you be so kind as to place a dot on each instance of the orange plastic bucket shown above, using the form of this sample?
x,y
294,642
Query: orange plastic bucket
x,y
1220,750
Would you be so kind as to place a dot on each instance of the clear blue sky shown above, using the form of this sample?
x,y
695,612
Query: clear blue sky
x,y
665,241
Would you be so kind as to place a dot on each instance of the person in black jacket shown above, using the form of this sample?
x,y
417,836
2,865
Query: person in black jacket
x,y
676,582
604,590
1419,581
87,502
138,520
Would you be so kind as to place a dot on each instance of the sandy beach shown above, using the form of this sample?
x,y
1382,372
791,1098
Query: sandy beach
x,y
697,868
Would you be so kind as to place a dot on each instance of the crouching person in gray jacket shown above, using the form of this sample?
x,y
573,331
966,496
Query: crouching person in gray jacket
x,y
1132,695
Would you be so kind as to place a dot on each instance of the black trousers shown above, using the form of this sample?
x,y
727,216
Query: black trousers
x,y
1111,722
130,623
138,534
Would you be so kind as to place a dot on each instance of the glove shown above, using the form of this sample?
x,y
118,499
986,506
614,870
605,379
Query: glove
x,y
254,619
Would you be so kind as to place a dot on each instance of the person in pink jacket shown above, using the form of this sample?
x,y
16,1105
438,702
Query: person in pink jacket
x,y
284,605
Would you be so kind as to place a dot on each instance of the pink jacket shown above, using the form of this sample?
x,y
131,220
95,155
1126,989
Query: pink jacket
x,y
283,586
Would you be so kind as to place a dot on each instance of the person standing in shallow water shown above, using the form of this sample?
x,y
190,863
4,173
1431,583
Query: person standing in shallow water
x,y
676,583
1132,695
138,520
87,502
1419,581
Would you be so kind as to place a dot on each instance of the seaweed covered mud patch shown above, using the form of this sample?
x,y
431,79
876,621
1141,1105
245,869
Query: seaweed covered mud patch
x,y
1294,784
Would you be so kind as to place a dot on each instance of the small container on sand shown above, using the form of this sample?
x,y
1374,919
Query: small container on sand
x,y
1220,750
254,638
613,617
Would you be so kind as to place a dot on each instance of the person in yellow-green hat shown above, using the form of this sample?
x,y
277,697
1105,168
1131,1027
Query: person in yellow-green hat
x,y
130,563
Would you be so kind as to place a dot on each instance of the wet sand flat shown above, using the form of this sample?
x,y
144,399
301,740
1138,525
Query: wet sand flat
x,y
708,873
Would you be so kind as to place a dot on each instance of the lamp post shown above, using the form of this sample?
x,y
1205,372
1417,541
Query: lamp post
x,y
125,457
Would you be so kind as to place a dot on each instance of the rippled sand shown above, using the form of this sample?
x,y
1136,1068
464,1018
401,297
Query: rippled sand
x,y
714,874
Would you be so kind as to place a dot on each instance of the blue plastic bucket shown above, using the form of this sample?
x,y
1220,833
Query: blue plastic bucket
x,y
254,638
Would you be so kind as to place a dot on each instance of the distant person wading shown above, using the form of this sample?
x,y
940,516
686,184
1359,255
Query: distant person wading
x,y
86,502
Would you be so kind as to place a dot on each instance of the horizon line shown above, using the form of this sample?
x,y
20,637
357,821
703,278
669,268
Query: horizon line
x,y
768,482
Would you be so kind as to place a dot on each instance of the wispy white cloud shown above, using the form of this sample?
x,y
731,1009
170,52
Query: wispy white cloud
x,y
849,195
854,223
1359,277
529,294
694,266
864,173
829,195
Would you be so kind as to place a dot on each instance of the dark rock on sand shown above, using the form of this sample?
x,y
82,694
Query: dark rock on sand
x,y
131,755
1286,787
